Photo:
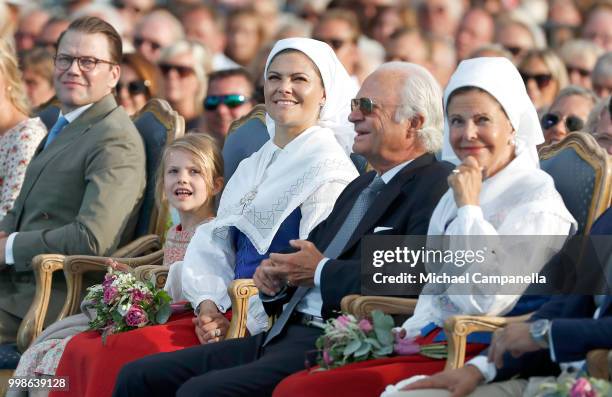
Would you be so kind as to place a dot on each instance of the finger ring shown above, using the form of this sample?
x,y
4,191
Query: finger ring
x,y
217,332
455,171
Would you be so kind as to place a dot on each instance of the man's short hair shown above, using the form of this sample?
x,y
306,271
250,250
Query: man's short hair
x,y
93,25
345,15
227,73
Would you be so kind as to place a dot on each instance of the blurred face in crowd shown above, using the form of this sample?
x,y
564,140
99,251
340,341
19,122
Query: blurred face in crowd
x,y
602,84
200,27
243,39
151,36
227,99
566,115
75,87
479,128
541,86
132,91
29,29
443,60
380,138
293,92
603,130
598,28
564,12
133,10
516,39
387,22
180,80
338,34
51,33
438,18
38,88
409,47
475,30
579,70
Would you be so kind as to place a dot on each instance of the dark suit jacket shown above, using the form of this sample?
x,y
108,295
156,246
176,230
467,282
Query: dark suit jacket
x,y
405,205
78,196
574,333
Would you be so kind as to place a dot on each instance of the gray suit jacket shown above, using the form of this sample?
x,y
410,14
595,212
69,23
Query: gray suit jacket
x,y
79,193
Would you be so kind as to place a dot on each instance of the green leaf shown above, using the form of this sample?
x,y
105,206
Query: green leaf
x,y
352,348
163,314
376,344
364,349
384,336
384,351
382,320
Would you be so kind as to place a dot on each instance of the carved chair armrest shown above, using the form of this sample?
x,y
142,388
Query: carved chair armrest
x,y
362,305
77,265
240,291
139,247
32,324
155,273
457,328
599,363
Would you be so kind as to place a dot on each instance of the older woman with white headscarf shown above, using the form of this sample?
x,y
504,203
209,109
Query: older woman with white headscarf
x,y
497,189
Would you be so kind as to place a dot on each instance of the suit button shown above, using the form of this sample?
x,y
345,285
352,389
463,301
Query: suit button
x,y
45,215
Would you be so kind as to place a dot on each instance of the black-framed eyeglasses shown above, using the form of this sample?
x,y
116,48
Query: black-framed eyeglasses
x,y
86,64
572,123
212,102
135,87
515,51
541,79
581,71
183,71
139,41
364,105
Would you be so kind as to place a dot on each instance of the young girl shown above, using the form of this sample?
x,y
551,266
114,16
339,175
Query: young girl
x,y
189,177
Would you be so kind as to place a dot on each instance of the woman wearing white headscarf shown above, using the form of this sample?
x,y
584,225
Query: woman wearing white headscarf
x,y
497,189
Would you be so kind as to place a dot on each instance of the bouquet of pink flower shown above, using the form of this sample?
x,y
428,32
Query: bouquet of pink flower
x,y
122,303
347,339
568,385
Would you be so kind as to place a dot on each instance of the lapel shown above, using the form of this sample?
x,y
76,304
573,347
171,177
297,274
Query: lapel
x,y
387,196
69,133
605,306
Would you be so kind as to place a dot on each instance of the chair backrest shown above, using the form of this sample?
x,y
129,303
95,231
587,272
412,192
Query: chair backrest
x,y
581,170
48,112
158,125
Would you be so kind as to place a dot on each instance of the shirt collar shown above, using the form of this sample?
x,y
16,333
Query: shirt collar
x,y
387,176
71,116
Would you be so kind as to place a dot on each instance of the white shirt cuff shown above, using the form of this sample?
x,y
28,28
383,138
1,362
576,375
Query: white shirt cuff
x,y
8,249
470,211
551,346
486,368
318,270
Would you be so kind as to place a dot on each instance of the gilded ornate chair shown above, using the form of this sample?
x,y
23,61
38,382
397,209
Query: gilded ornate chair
x,y
158,124
582,174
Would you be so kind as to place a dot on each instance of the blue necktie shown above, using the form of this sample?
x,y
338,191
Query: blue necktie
x,y
57,127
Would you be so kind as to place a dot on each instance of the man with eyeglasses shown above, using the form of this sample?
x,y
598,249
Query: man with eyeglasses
x,y
84,183
398,119
568,113
155,31
602,75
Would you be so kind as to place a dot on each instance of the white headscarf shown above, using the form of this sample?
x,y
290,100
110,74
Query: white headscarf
x,y
500,78
339,89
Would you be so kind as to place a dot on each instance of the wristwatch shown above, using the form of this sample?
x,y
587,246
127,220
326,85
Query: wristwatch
x,y
539,331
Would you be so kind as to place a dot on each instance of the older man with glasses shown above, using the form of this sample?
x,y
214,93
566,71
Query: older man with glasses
x,y
155,31
84,183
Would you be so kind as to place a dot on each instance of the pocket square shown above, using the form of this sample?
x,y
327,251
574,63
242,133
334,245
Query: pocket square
x,y
381,228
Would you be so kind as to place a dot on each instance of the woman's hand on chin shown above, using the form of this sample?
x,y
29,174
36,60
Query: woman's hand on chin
x,y
466,182
210,324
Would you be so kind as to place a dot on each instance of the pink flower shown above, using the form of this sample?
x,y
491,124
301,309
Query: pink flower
x,y
108,280
342,321
582,388
405,346
136,317
327,358
138,296
110,294
365,325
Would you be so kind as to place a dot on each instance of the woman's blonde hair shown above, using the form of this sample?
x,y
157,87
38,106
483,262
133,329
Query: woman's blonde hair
x,y
555,65
205,153
9,69
202,63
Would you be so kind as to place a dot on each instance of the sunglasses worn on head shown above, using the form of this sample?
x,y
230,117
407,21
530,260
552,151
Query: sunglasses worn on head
x,y
541,79
582,72
364,105
183,71
134,87
212,102
572,123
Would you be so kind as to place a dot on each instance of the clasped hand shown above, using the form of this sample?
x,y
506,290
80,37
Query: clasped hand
x,y
210,325
466,182
295,269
